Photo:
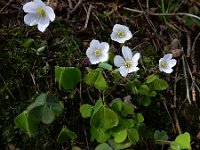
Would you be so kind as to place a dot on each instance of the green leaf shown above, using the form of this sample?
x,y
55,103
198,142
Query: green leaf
x,y
96,79
28,42
105,66
86,110
152,94
127,123
127,109
117,104
40,49
145,101
133,135
47,115
160,135
116,76
160,84
40,100
97,106
139,118
183,140
54,103
174,146
65,135
144,89
119,146
94,133
26,123
151,78
104,118
67,77
102,135
91,77
119,135
103,146
100,82
76,148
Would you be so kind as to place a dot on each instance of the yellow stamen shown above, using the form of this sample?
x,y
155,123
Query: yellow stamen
x,y
97,53
40,12
120,33
163,64
128,64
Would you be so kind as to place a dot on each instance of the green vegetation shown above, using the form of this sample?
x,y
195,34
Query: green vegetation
x,y
53,97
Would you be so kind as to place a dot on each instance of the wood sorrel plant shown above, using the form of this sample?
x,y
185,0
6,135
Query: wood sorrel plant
x,y
113,121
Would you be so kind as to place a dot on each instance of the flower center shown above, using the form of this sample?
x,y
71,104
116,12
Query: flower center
x,y
121,33
40,12
164,64
128,64
97,52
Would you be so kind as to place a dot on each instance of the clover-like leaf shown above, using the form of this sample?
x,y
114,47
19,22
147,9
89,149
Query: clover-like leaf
x,y
67,77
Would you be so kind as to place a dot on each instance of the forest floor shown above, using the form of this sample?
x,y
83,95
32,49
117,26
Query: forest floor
x,y
28,58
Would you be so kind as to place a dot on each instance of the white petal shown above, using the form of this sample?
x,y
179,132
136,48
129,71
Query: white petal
x,y
123,71
90,52
128,35
160,60
127,53
30,7
94,44
135,59
44,20
40,3
31,19
168,70
118,61
172,63
43,24
104,57
117,27
94,60
116,38
167,57
133,69
50,13
104,47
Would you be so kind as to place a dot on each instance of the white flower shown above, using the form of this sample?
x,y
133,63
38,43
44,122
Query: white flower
x,y
166,63
120,33
97,52
38,14
127,64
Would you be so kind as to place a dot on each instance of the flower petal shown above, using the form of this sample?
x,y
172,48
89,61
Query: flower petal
x,y
94,60
50,13
94,44
31,19
30,7
43,24
133,69
116,38
90,52
117,27
44,20
40,3
104,47
167,57
128,35
168,70
118,61
135,59
123,71
172,63
104,57
127,53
